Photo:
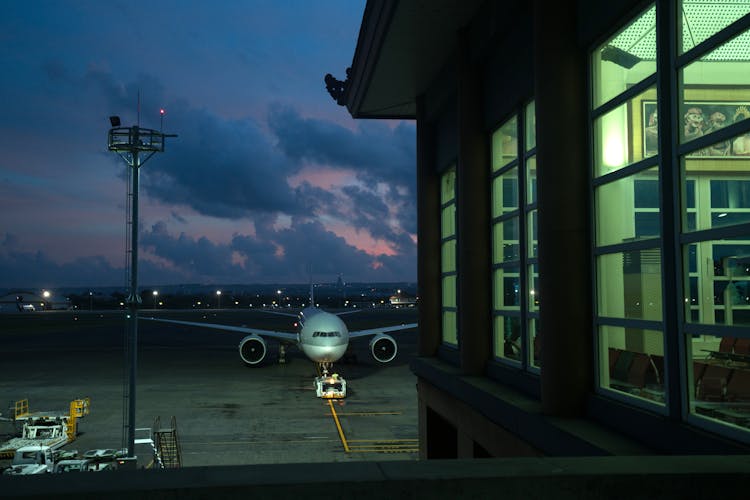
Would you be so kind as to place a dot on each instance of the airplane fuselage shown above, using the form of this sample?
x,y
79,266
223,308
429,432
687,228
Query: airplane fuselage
x,y
323,336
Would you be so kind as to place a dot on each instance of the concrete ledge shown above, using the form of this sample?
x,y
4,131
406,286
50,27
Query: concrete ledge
x,y
522,415
522,478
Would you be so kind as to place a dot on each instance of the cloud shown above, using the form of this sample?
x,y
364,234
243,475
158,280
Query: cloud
x,y
234,169
378,154
221,168
375,151
271,255
179,218
28,269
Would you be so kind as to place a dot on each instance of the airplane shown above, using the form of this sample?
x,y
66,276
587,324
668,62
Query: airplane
x,y
322,336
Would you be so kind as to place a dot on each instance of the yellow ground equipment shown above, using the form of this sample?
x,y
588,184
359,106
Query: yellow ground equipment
x,y
45,428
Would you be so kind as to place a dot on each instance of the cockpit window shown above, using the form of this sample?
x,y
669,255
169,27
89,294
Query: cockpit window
x,y
326,334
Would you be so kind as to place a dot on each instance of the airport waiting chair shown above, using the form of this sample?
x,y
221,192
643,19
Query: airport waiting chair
x,y
538,348
658,364
742,346
738,387
727,344
712,385
614,355
638,371
699,369
622,366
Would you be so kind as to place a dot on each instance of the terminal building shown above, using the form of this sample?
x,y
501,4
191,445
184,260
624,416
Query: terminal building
x,y
583,178
583,173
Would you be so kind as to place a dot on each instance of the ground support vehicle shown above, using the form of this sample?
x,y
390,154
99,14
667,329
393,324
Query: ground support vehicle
x,y
34,459
330,387
47,428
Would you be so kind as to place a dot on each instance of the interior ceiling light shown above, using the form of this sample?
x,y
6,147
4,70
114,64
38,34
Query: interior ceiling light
x,y
700,21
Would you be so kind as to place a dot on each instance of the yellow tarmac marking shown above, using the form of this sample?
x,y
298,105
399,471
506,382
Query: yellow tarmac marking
x,y
244,443
384,446
373,445
369,413
383,440
338,426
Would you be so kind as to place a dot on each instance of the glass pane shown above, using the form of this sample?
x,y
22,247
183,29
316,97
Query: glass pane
x,y
624,210
629,284
448,256
536,343
631,360
505,192
714,92
701,20
448,186
718,288
625,59
450,333
505,144
505,243
533,275
532,235
733,193
507,335
530,120
448,222
720,194
449,291
627,134
531,180
719,378
506,289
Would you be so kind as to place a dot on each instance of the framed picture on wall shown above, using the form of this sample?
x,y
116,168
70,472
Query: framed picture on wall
x,y
704,111
700,118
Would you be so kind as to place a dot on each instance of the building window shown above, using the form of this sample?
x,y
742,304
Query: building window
x,y
713,94
627,213
705,173
515,300
448,269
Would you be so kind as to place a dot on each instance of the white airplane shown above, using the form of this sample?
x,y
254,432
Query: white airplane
x,y
322,336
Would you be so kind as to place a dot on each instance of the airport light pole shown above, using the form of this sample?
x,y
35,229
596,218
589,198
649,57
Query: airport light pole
x,y
156,294
218,299
130,143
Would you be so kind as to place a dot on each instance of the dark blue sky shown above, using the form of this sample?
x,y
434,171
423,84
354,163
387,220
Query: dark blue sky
x,y
267,175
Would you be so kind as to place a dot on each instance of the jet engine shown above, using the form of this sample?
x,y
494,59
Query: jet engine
x,y
383,348
252,349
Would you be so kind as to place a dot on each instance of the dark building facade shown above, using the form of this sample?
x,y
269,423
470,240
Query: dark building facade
x,y
583,174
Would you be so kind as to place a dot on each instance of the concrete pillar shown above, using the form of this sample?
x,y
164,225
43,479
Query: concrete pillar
x,y
473,205
563,194
428,236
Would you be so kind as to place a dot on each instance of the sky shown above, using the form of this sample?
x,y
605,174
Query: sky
x,y
268,175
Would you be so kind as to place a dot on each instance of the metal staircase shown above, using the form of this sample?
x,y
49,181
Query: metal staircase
x,y
167,444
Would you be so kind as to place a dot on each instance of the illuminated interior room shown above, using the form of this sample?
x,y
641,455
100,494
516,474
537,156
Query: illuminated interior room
x,y
584,220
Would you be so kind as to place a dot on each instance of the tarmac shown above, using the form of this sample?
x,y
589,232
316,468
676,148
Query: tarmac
x,y
226,413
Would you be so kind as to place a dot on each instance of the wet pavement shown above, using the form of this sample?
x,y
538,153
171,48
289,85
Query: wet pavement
x,y
226,413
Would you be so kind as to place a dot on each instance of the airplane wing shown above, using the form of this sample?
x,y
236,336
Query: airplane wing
x,y
386,329
343,313
289,336
279,313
